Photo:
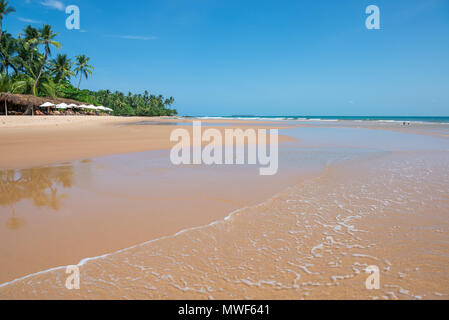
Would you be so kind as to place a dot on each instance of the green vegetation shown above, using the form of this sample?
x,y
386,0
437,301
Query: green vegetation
x,y
26,67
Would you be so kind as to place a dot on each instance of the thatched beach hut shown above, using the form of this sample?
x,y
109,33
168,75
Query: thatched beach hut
x,y
17,104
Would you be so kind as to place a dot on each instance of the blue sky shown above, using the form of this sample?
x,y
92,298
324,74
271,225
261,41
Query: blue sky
x,y
261,57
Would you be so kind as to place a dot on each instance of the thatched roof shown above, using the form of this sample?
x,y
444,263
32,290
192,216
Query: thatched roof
x,y
25,100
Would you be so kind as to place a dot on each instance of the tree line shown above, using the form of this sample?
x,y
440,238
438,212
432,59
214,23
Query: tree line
x,y
27,67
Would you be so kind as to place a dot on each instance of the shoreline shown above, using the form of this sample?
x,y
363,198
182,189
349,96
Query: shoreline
x,y
180,232
223,220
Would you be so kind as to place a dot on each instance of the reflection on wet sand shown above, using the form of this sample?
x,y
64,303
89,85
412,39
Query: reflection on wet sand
x,y
40,185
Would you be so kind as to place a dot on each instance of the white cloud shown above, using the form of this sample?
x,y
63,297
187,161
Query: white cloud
x,y
26,20
53,4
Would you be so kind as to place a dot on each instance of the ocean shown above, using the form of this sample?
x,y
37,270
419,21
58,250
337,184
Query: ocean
x,y
336,118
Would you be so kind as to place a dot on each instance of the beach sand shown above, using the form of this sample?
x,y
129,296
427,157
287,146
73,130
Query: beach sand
x,y
362,198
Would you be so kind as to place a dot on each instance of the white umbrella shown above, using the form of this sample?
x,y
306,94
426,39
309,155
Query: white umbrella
x,y
91,106
82,106
109,109
72,105
62,106
47,105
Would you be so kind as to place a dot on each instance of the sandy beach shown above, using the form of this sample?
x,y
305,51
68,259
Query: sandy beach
x,y
100,193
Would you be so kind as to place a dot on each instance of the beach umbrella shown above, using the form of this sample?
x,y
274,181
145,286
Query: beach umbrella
x,y
82,106
62,106
72,105
47,105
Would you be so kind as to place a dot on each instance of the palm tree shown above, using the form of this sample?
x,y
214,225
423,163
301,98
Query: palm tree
x,y
8,48
83,68
5,9
61,68
30,40
46,36
31,34
27,49
169,101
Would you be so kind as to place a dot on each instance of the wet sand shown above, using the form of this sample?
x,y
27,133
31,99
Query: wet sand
x,y
60,214
375,198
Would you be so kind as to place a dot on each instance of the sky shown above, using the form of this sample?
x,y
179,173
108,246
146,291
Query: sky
x,y
245,57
